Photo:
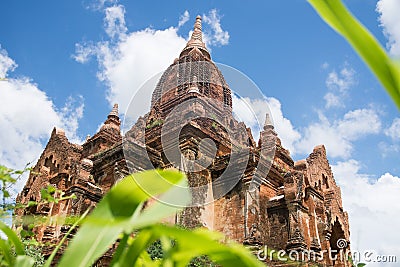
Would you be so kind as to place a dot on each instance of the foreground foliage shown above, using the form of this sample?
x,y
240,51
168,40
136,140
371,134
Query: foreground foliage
x,y
120,215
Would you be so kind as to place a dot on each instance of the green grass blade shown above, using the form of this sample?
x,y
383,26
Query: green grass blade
x,y
12,236
6,249
138,246
120,250
364,43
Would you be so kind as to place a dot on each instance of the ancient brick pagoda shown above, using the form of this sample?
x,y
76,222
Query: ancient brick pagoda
x,y
294,206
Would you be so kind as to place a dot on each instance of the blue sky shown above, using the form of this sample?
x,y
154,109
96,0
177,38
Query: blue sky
x,y
67,62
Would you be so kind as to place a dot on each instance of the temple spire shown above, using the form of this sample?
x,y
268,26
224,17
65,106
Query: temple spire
x,y
114,111
197,36
113,120
195,47
197,31
268,122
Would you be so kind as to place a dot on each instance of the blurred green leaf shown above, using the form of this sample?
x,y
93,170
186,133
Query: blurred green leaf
x,y
12,236
122,245
364,43
25,234
6,252
31,204
182,246
145,260
138,246
203,242
6,193
162,209
47,193
24,261
118,210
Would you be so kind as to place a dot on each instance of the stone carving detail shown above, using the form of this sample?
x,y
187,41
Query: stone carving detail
x,y
255,235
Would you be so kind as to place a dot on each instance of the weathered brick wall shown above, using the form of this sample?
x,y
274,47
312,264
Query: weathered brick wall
x,y
229,214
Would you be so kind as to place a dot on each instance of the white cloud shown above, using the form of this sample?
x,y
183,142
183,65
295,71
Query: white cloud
x,y
69,116
27,116
127,64
340,81
252,112
338,135
183,18
114,21
100,4
218,36
332,100
83,52
338,85
6,63
249,111
129,59
390,21
325,65
388,149
373,207
358,123
283,126
394,130
323,132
